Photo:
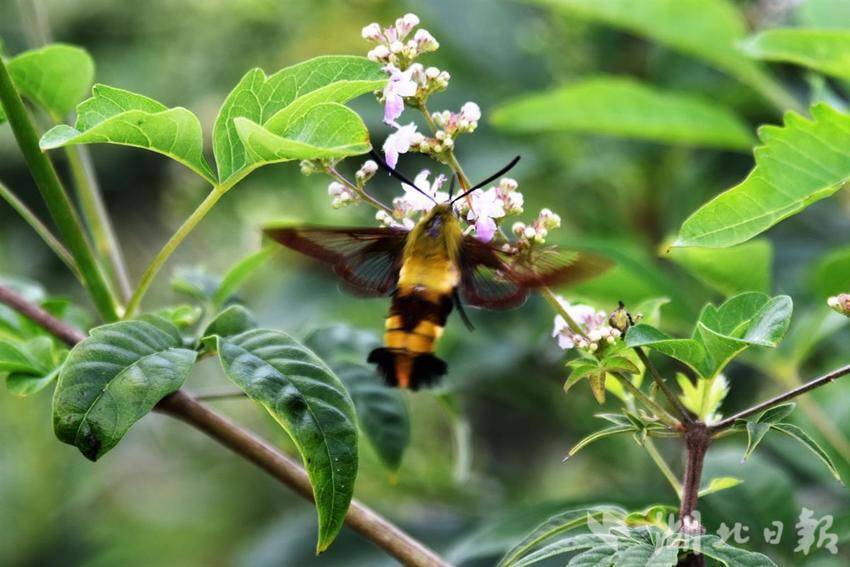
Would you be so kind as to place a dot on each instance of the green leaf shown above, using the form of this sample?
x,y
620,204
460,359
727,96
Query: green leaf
x,y
646,555
55,77
560,547
196,282
342,343
825,51
232,321
689,351
714,547
601,434
746,267
824,14
308,400
181,316
114,378
239,273
758,426
706,29
328,130
381,412
798,434
117,116
831,275
799,163
704,397
280,99
42,358
625,107
556,525
719,484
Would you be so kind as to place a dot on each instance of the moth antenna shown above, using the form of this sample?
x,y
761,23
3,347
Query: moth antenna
x,y
496,175
386,167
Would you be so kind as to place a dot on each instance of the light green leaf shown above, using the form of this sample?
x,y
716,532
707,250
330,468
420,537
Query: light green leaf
x,y
718,484
381,411
831,275
196,282
758,426
277,100
825,51
117,116
239,273
558,524
625,107
560,547
42,358
114,378
181,316
308,400
328,130
689,351
55,77
646,555
798,434
704,397
800,163
706,29
746,267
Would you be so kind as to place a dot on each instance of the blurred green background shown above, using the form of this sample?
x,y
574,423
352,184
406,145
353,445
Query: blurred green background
x,y
169,496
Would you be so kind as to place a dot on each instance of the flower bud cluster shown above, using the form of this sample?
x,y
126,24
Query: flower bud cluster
x,y
366,172
393,46
342,195
536,232
840,303
589,331
449,126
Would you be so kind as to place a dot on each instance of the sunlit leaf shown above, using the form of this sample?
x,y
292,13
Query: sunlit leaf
x,y
114,378
116,116
746,267
719,484
55,77
625,107
381,411
799,163
277,100
825,51
706,29
308,400
704,396
831,275
328,130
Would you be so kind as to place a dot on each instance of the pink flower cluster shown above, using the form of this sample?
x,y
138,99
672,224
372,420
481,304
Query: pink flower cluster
x,y
391,46
593,325
840,303
537,231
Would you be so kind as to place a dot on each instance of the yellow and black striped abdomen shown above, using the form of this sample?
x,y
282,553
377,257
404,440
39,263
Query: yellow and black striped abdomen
x,y
420,307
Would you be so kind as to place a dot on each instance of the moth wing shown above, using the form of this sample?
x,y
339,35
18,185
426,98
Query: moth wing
x,y
495,278
368,259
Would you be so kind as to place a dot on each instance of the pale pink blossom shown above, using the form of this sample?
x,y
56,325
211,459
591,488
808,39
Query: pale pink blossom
x,y
592,323
486,207
398,143
415,201
400,85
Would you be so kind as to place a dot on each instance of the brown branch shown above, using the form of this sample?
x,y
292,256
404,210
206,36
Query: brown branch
x,y
775,401
185,408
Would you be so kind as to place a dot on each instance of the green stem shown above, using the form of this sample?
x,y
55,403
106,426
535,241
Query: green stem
x,y
96,216
662,465
61,210
168,249
668,393
41,229
650,404
332,171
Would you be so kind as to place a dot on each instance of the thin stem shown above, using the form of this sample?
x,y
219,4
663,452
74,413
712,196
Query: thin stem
x,y
357,190
41,229
61,210
668,393
781,398
452,161
650,404
662,465
550,296
96,216
223,394
244,443
168,249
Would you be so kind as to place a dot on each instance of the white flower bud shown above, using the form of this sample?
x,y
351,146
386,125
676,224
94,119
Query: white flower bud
x,y
440,135
396,47
448,143
404,24
514,202
369,167
372,32
335,189
508,184
378,53
417,139
425,41
471,111
438,148
529,232
518,229
307,167
432,73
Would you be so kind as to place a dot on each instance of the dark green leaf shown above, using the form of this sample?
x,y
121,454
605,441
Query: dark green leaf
x,y
601,434
714,547
381,411
196,283
798,434
114,378
313,407
232,321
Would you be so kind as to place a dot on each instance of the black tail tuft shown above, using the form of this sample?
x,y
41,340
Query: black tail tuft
x,y
427,368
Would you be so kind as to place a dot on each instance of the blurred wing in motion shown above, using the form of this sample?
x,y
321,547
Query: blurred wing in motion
x,y
497,279
367,258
